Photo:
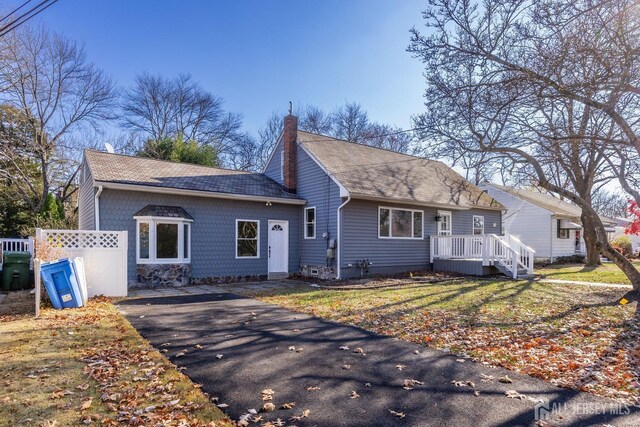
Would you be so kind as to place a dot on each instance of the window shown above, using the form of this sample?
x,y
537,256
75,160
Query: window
x,y
310,223
563,233
444,225
163,240
400,223
247,238
478,224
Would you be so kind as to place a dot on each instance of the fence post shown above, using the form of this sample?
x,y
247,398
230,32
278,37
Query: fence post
x,y
124,241
36,278
430,249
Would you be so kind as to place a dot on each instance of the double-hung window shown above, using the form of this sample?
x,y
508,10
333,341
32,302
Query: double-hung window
x,y
478,224
163,240
247,238
310,223
394,223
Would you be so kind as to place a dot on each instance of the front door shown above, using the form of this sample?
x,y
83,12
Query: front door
x,y
278,246
578,245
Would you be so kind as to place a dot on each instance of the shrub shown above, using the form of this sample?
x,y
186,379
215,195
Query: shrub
x,y
623,245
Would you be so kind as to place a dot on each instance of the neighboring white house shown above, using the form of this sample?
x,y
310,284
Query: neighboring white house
x,y
550,226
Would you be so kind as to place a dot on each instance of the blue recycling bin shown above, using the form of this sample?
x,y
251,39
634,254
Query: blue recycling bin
x,y
60,280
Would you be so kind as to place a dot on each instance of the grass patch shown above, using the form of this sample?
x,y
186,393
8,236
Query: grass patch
x,y
89,366
572,337
605,273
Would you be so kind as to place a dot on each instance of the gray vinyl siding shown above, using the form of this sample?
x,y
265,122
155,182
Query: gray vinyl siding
x,y
321,192
360,237
273,169
213,229
469,267
86,201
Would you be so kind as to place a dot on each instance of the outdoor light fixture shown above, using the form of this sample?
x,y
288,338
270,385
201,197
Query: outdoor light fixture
x,y
268,203
438,218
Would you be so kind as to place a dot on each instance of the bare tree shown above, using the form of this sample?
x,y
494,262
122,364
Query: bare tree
x,y
158,107
57,91
489,67
350,122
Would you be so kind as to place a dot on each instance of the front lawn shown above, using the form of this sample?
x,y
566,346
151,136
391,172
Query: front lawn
x,y
572,336
90,367
605,273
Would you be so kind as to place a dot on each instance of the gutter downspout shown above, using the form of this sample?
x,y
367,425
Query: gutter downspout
x,y
339,211
96,207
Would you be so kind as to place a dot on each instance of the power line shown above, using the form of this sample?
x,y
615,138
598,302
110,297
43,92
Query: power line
x,y
15,10
27,16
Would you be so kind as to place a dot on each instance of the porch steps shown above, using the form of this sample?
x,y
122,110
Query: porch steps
x,y
522,273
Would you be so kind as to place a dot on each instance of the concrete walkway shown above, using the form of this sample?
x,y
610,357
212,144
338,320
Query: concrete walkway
x,y
236,347
240,287
578,282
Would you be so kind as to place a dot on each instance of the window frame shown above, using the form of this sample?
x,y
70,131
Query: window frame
x,y
153,222
306,223
257,221
390,236
473,225
560,230
439,223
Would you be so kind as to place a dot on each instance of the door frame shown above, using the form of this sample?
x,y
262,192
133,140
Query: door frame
x,y
286,245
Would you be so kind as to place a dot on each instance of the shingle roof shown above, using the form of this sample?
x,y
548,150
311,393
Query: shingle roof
x,y
369,172
117,168
163,212
547,201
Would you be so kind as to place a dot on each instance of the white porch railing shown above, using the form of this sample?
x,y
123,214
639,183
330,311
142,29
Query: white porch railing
x,y
507,252
16,245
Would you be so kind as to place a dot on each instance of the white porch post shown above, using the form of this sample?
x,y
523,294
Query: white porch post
x,y
485,250
431,249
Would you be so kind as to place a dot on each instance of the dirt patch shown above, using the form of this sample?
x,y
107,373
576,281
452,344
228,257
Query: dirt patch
x,y
16,303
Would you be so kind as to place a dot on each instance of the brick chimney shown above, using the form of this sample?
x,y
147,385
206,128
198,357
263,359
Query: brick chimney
x,y
290,163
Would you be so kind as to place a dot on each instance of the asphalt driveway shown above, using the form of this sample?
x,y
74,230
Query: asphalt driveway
x,y
235,347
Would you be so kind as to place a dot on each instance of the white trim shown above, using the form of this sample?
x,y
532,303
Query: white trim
x,y
343,190
338,256
282,165
96,208
473,225
286,259
391,209
198,193
257,237
305,223
439,226
153,256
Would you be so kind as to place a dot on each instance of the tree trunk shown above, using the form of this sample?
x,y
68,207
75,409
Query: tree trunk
x,y
592,258
624,264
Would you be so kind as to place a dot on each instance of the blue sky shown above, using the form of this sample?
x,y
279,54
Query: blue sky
x,y
258,55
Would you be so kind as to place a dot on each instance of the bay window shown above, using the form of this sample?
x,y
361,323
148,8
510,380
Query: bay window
x,y
162,240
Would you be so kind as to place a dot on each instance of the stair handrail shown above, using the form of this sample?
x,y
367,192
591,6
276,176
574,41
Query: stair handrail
x,y
525,253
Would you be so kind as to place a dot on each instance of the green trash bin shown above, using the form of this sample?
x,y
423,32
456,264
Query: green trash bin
x,y
15,270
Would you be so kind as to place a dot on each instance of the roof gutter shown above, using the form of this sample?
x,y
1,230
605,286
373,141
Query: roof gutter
x,y
339,255
96,208
198,193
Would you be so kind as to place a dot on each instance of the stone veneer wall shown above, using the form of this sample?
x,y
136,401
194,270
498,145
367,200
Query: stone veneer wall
x,y
228,279
324,273
162,275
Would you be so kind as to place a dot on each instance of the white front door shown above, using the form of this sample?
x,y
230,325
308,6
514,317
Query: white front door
x,y
278,246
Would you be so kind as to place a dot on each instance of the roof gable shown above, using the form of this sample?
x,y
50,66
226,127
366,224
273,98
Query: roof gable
x,y
375,173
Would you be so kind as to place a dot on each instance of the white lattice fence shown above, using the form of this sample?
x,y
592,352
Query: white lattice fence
x,y
104,253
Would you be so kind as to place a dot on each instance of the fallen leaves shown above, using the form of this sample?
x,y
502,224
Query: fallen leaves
x,y
289,405
268,407
410,384
512,394
354,395
505,380
397,414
